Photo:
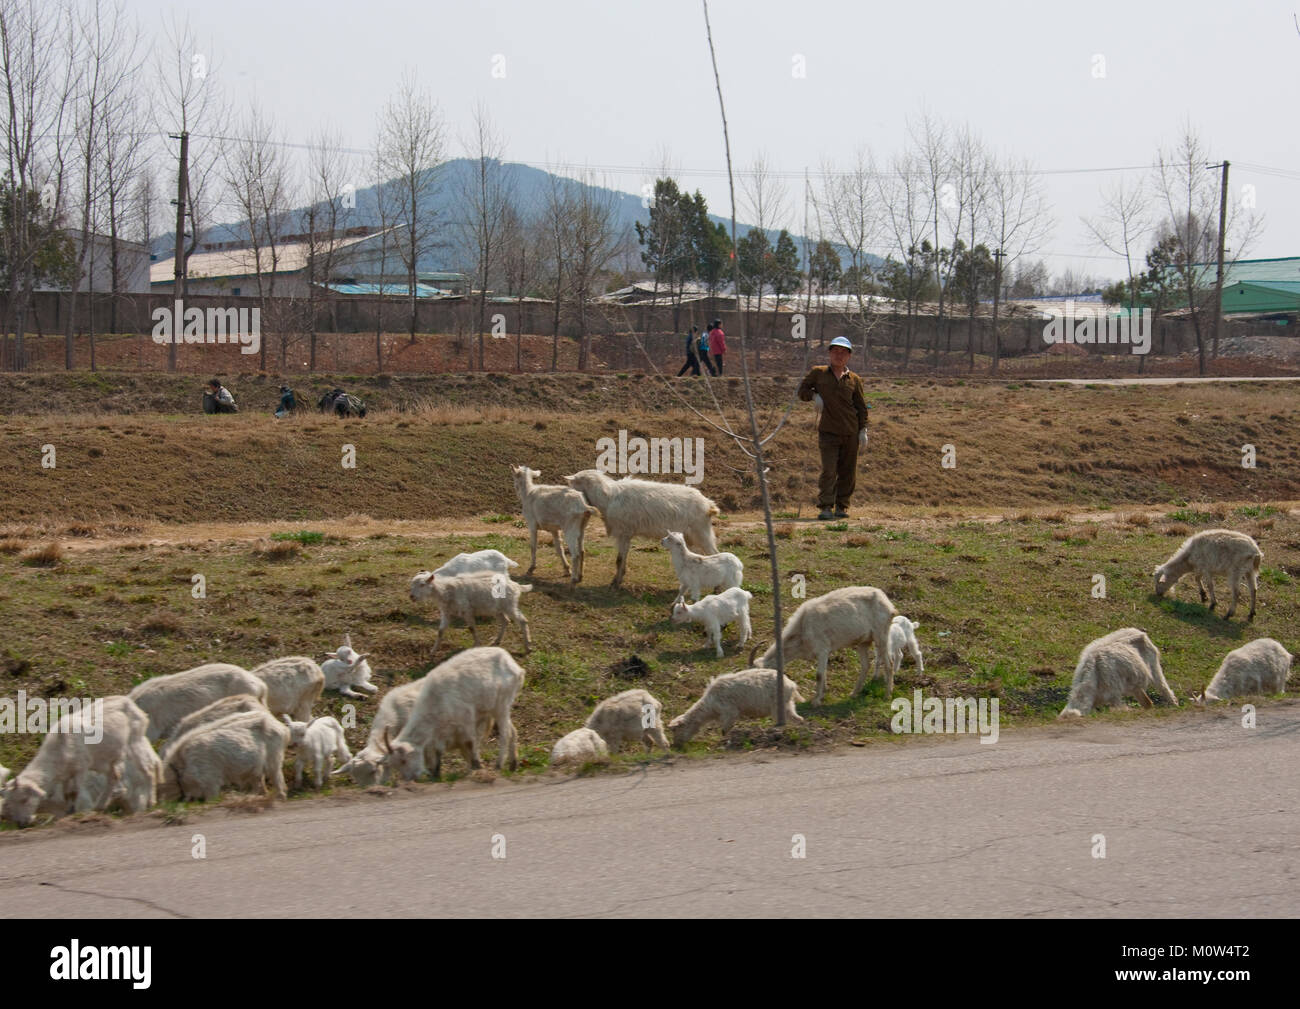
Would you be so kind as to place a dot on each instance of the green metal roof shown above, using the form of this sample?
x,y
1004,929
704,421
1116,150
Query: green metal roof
x,y
1274,296
1256,271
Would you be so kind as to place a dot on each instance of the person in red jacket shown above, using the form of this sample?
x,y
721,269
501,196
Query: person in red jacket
x,y
717,342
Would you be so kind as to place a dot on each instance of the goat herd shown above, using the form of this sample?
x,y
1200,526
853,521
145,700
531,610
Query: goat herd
x,y
225,726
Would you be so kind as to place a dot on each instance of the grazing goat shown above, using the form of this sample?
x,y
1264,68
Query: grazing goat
x,y
697,573
561,511
65,767
478,594
715,612
347,668
479,560
242,751
214,712
1123,663
293,684
1209,554
1260,667
749,693
319,742
578,747
633,715
457,702
647,508
167,699
857,617
902,636
367,765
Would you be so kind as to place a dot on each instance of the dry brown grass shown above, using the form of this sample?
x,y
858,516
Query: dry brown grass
x,y
450,458
284,550
162,623
46,556
12,545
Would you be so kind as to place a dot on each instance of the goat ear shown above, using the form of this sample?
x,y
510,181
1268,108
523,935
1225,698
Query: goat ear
x,y
347,640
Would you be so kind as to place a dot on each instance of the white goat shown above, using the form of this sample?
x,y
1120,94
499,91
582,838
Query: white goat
x,y
319,742
1123,663
367,765
293,685
561,511
715,612
479,594
647,508
749,693
214,712
632,716
902,636
697,573
242,751
857,617
1211,553
479,560
578,747
62,770
167,699
1260,667
348,668
457,702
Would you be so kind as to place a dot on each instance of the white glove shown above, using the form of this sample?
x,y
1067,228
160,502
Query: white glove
x,y
817,398
862,439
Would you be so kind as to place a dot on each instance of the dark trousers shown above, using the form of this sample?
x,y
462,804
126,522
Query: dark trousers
x,y
718,358
692,363
839,469
708,363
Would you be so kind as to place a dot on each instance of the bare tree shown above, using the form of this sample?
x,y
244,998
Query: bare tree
x,y
766,204
257,178
1123,227
104,109
930,150
523,242
35,104
328,211
411,151
485,197
556,225
1189,195
908,205
594,240
187,101
857,221
1019,222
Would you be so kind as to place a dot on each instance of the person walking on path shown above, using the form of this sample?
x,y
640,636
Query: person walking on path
x,y
717,343
692,362
702,348
842,430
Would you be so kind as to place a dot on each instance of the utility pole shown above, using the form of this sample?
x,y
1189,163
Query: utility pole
x,y
178,281
1218,278
997,290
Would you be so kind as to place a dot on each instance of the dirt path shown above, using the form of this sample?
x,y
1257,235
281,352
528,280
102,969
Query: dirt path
x,y
1165,381
355,527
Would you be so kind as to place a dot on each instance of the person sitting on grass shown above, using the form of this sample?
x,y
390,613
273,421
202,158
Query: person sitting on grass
x,y
217,399
287,402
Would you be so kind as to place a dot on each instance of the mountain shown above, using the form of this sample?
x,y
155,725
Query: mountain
x,y
531,186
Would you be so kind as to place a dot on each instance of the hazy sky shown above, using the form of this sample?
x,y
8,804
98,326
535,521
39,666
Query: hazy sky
x,y
617,86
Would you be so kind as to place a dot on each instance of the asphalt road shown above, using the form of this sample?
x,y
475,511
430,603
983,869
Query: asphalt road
x,y
1201,817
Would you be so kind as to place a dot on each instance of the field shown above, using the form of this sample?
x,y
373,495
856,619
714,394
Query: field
x,y
995,558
